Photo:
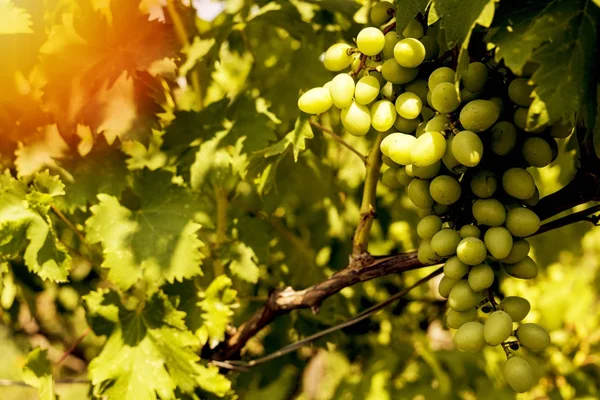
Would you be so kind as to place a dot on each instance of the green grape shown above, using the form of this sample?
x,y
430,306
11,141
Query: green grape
x,y
520,117
356,119
515,306
409,53
504,138
384,146
367,89
533,200
429,226
475,77
479,115
469,231
537,152
420,129
418,87
388,161
455,269
442,74
449,161
519,92
414,29
469,337
390,178
445,189
524,269
397,74
533,336
519,251
427,172
400,148
432,48
403,177
342,90
467,148
518,374
440,209
409,170
418,193
445,286
439,123
381,12
483,184
462,297
522,222
481,277
406,125
315,101
518,183
428,149
370,41
444,242
391,38
427,114
498,241
456,319
69,298
425,253
429,102
529,68
471,251
376,74
444,98
497,328
489,212
383,115
337,58
387,91
499,103
466,96
560,130
327,85
409,105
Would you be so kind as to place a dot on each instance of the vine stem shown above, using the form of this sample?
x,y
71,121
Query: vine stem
x,y
222,204
74,345
338,139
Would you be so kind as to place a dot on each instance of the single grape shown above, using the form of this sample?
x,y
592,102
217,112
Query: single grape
x,y
432,48
387,91
445,189
519,251
515,306
524,269
456,319
409,170
367,89
342,90
520,117
519,92
483,184
383,115
414,29
522,222
418,193
315,101
427,172
425,253
439,123
466,96
397,74
504,138
421,129
467,148
442,74
475,77
384,146
391,38
481,277
533,336
469,337
518,183
409,53
561,130
427,114
381,12
518,374
449,161
444,242
499,103
537,152
479,115
418,87
370,41
406,125
356,119
429,226
440,209
445,286
498,241
390,178
497,328
471,251
455,269
409,105
444,98
489,212
533,200
428,149
337,57
469,231
388,161
400,148
403,177
462,297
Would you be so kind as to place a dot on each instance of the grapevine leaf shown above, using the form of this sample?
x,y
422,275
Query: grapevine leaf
x,y
217,303
195,52
295,138
255,233
407,10
242,262
37,372
13,19
102,310
40,152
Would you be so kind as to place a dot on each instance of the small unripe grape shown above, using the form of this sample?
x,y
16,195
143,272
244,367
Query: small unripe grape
x,y
442,74
515,306
409,53
388,161
454,268
481,277
427,114
406,125
390,178
483,184
418,193
445,189
444,98
456,319
356,119
439,123
471,251
440,209
427,172
414,29
342,90
445,286
533,200
504,138
387,91
449,161
537,152
391,38
466,96
520,117
425,253
400,148
409,170
524,269
497,328
498,102
337,58
428,149
444,242
315,101
403,176
462,297
522,222
561,130
479,115
520,92
397,74
518,374
383,115
420,129
418,87
469,231
467,148
409,105
489,212
519,251
429,226
370,41
518,183
469,337
498,241
533,336
367,89
432,48
381,12
475,76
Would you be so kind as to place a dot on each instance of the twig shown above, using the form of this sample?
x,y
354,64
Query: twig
x,y
569,219
72,227
389,28
338,139
73,346
222,203
361,65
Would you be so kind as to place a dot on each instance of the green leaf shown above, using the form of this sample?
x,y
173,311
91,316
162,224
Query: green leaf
x,y
37,372
217,304
407,10
242,262
295,138
13,19
194,53
102,310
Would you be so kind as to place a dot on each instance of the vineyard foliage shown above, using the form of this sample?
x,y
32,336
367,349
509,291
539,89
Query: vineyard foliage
x,y
158,183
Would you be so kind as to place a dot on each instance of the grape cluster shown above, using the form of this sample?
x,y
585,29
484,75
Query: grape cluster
x,y
477,211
